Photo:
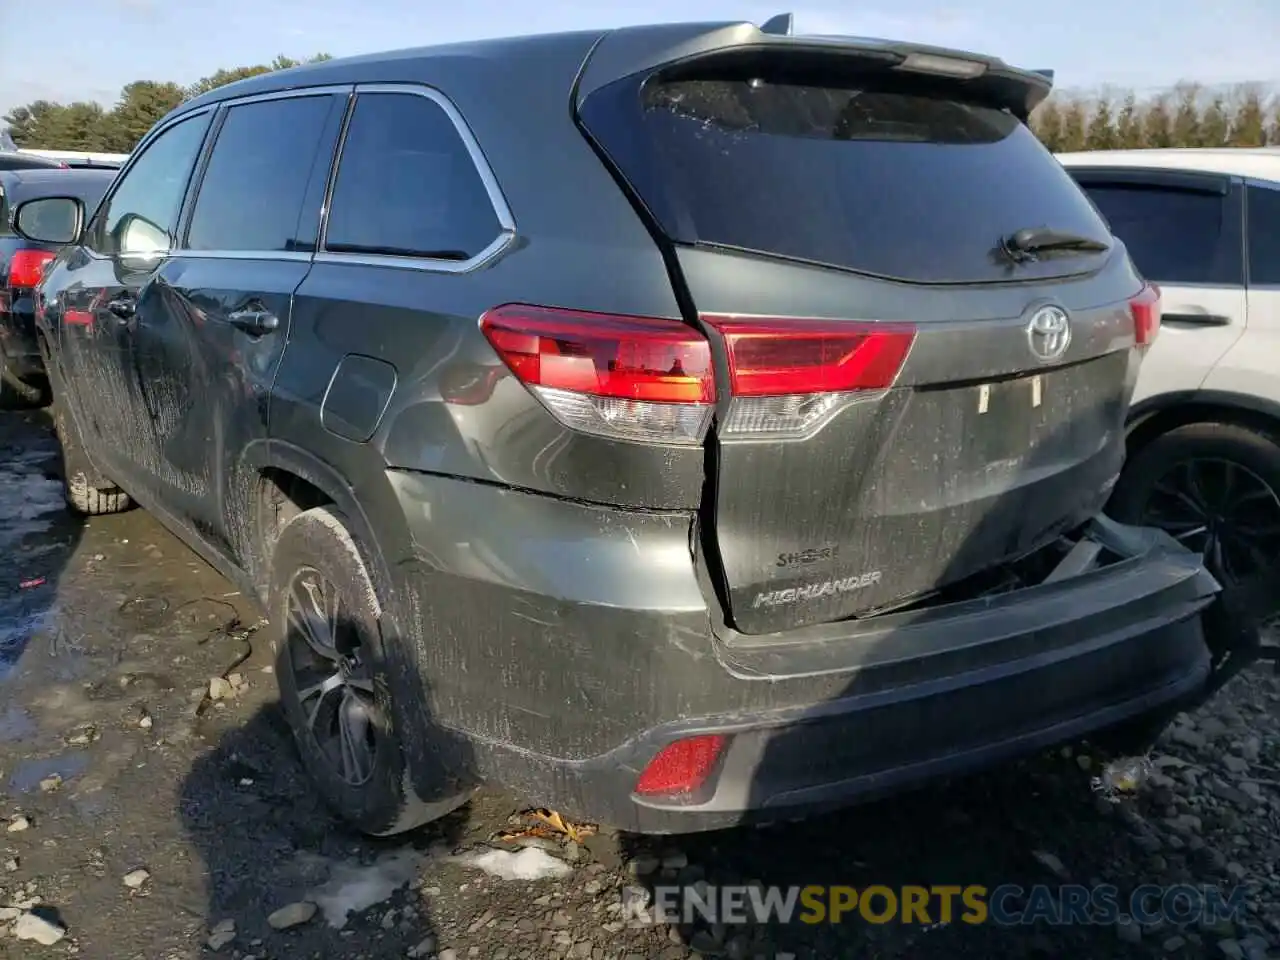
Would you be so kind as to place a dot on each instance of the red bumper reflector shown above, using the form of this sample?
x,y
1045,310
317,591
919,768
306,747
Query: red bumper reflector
x,y
681,767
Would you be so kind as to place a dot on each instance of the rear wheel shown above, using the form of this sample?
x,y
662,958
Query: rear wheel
x,y
86,490
1215,487
332,675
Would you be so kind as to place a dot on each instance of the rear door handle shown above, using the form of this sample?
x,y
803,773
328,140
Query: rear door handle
x,y
254,321
1196,319
123,307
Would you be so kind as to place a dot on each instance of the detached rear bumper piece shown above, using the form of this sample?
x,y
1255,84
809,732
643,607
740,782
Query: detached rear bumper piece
x,y
614,695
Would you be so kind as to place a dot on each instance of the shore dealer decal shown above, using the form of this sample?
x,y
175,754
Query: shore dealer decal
x,y
816,591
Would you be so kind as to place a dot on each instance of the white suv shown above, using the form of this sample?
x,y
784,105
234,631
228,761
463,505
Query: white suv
x,y
1204,434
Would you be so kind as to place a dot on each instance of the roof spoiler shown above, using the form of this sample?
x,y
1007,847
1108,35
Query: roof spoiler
x,y
635,51
783,25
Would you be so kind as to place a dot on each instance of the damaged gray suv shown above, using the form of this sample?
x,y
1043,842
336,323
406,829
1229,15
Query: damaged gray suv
x,y
681,425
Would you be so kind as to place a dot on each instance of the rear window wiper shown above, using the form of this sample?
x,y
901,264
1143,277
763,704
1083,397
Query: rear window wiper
x,y
1026,243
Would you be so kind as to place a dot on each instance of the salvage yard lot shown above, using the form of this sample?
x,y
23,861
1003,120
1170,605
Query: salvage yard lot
x,y
150,813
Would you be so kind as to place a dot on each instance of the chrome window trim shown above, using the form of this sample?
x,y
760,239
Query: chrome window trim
x,y
497,201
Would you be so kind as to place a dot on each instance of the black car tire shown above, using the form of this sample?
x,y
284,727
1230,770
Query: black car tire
x,y
1251,449
86,490
317,548
17,394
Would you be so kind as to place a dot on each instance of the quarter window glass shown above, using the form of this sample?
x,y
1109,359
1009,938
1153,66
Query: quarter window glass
x,y
407,186
252,191
1264,236
142,214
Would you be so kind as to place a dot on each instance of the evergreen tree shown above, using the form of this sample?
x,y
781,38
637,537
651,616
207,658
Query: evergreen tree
x,y
1102,132
1046,121
1158,124
1249,124
1186,120
1129,124
1073,136
141,106
1215,125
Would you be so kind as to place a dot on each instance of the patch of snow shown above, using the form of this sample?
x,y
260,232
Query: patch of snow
x,y
353,888
531,863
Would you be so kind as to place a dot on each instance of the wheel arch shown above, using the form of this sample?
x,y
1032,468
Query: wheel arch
x,y
281,480
1158,415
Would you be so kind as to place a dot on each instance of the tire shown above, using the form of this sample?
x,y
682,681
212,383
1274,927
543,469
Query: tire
x,y
17,394
87,491
1253,458
317,566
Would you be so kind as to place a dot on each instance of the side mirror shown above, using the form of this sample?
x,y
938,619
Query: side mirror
x,y
142,239
56,220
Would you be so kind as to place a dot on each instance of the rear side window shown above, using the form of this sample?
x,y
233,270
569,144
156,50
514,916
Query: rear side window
x,y
252,191
1264,236
407,185
1175,236
887,176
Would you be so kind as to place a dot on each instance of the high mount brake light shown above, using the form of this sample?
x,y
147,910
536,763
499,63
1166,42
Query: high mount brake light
x,y
1145,309
652,380
26,267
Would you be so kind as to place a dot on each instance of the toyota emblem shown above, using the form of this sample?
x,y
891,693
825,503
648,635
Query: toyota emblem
x,y
1049,334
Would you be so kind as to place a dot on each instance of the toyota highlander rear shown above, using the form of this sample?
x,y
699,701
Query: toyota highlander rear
x,y
830,523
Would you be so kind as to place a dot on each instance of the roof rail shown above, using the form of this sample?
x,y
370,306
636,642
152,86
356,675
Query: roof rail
x,y
782,25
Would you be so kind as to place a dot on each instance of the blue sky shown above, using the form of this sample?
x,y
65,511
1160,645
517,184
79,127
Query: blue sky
x,y
89,49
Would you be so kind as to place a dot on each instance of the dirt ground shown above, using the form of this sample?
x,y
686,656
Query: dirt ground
x,y
141,817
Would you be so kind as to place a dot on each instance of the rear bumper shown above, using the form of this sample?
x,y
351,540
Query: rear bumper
x,y
563,664
18,346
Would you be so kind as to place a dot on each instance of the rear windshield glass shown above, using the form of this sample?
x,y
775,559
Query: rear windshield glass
x,y
881,175
4,215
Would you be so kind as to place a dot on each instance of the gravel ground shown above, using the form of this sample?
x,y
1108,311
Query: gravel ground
x,y
151,805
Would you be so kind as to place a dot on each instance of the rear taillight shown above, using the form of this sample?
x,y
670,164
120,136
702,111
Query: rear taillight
x,y
1145,309
680,769
650,380
26,267
789,376
629,378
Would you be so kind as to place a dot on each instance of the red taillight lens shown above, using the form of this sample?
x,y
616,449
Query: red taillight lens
x,y
1145,308
773,358
639,378
26,267
681,768
791,376
632,378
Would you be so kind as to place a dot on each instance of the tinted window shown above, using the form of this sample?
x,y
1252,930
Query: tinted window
x,y
890,177
407,185
251,194
1264,236
142,214
1174,236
